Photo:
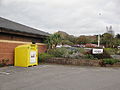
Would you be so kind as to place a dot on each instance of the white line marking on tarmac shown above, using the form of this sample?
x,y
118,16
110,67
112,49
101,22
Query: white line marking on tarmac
x,y
4,73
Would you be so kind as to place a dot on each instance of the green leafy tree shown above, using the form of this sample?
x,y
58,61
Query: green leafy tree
x,y
66,38
67,42
49,41
108,40
118,36
53,40
82,40
95,40
72,39
116,42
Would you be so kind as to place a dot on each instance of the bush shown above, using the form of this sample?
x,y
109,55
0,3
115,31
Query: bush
x,y
43,56
104,55
89,56
81,50
110,61
4,62
66,52
58,52
118,52
110,51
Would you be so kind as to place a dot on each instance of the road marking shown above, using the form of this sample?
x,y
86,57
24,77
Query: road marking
x,y
4,73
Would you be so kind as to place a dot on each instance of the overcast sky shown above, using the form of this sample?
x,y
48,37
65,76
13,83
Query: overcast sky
x,y
76,17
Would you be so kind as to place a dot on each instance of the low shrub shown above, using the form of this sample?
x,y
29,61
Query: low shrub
x,y
89,56
66,52
118,52
81,50
110,61
58,52
104,55
43,56
111,51
4,62
77,53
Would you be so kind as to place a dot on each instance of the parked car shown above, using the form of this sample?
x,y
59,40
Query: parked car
x,y
79,46
118,47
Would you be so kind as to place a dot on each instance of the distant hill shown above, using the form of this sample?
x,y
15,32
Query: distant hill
x,y
67,38
73,39
63,34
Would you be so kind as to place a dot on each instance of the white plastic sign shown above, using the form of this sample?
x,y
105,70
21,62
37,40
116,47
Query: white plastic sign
x,y
97,51
33,57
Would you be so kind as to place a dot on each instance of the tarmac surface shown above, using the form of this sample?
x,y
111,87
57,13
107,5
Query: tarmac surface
x,y
59,77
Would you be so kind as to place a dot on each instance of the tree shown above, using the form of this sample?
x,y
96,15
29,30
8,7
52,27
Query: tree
x,y
67,42
108,40
72,39
53,40
67,38
118,36
117,40
82,40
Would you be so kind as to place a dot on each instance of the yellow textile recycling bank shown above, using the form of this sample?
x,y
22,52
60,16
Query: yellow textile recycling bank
x,y
26,55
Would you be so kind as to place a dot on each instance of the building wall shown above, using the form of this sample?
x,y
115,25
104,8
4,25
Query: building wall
x,y
42,48
7,49
10,40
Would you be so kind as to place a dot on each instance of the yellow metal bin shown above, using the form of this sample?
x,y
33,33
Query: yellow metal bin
x,y
26,55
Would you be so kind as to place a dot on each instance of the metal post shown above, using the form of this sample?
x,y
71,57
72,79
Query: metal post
x,y
98,40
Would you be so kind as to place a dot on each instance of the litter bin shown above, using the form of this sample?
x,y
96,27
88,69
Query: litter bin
x,y
26,55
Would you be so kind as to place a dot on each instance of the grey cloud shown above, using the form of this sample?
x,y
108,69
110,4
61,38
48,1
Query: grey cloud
x,y
0,2
73,16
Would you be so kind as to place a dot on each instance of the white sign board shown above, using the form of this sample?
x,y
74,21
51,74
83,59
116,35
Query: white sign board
x,y
33,57
97,51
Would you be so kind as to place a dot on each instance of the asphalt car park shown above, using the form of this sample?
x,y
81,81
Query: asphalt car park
x,y
59,77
